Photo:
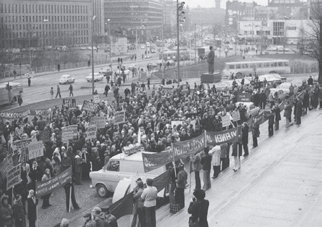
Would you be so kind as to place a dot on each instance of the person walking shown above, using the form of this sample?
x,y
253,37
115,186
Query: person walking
x,y
32,208
71,90
138,208
107,88
206,166
181,182
18,212
58,67
245,130
51,92
196,167
29,80
237,152
215,161
58,92
149,195
198,209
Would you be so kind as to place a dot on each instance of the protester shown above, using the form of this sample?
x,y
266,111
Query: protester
x,y
237,152
215,161
6,212
277,113
138,208
245,138
288,114
18,212
206,167
32,208
110,219
196,167
255,134
45,198
98,217
149,195
198,209
271,123
88,218
181,182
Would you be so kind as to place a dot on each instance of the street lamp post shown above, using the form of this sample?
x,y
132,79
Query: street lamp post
x,y
93,19
110,37
178,50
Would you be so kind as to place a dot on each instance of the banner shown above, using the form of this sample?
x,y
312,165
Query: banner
x,y
227,136
261,118
162,181
13,176
225,120
123,206
187,147
235,115
153,161
119,117
15,115
5,165
71,103
91,132
46,187
40,112
44,135
35,149
69,132
90,106
244,97
98,121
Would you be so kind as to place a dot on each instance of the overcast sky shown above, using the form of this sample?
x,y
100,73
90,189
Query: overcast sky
x,y
211,3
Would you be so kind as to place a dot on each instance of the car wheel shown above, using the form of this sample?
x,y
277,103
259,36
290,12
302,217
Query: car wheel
x,y
101,190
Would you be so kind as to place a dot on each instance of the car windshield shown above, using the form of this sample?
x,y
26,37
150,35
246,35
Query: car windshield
x,y
113,165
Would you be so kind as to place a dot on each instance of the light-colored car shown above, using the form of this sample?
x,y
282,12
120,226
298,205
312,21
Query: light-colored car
x,y
106,71
147,56
271,78
97,77
83,48
66,79
119,167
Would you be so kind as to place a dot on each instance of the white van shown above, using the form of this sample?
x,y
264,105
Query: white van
x,y
119,167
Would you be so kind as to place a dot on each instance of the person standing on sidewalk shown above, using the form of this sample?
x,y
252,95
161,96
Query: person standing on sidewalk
x,y
138,208
71,90
237,152
277,112
245,130
149,195
288,114
58,92
206,167
32,208
19,99
255,134
51,92
196,167
181,182
215,161
29,80
271,123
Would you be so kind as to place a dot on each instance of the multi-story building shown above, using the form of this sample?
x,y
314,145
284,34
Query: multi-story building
x,y
169,17
128,17
207,16
34,23
314,9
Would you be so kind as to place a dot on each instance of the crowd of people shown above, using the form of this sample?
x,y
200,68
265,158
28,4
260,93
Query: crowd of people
x,y
151,114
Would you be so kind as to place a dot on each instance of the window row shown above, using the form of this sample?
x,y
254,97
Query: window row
x,y
9,35
27,19
17,27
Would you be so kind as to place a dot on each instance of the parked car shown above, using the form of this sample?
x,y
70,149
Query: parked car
x,y
66,79
97,77
83,48
106,71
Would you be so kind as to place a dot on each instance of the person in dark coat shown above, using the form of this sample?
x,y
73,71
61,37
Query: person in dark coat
x,y
277,112
35,174
298,113
32,208
18,212
271,123
245,130
306,101
288,113
256,98
255,134
198,208
262,100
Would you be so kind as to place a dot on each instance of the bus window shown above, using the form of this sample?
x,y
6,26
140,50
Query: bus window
x,y
274,64
286,63
266,64
244,66
252,66
237,66
231,66
280,63
259,65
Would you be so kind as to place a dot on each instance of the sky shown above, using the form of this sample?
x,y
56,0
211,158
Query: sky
x,y
211,3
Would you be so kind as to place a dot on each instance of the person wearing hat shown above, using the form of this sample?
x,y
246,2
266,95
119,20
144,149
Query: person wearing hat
x,y
138,208
198,209
18,212
149,196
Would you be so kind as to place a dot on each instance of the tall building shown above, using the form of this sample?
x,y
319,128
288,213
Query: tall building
x,y
40,23
128,17
169,17
207,16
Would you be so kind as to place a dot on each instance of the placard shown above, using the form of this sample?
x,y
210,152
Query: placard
x,y
91,132
69,132
98,121
235,115
5,165
90,106
44,135
13,176
96,99
225,120
20,151
119,117
71,103
35,149
244,97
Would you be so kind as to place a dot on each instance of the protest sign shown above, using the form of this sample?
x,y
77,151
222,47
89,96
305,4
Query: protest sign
x,y
244,97
235,115
119,117
227,136
96,99
13,176
46,187
187,147
90,106
153,161
35,149
44,135
91,132
69,132
193,123
175,123
20,151
98,121
5,165
225,120
71,103
14,115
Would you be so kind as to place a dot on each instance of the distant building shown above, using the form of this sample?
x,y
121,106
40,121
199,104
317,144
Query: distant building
x,y
207,16
169,17
314,9
284,3
128,17
35,23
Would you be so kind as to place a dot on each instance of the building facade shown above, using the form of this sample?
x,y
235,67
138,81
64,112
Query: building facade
x,y
32,23
127,17
207,16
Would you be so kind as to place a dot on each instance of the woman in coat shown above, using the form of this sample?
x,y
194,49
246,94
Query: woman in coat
x,y
198,208
32,208
6,214
18,212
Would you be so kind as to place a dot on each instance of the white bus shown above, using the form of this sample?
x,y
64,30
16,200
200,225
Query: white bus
x,y
245,68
